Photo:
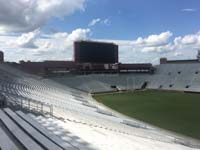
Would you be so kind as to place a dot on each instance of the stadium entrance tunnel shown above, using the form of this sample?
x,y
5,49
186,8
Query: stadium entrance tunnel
x,y
144,85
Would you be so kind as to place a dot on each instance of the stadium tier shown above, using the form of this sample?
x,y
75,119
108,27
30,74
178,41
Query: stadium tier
x,y
39,113
179,77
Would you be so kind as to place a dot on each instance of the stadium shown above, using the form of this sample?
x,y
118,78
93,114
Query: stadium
x,y
97,103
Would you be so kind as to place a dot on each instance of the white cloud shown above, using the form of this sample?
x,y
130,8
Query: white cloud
x,y
46,45
106,21
188,10
154,40
78,34
188,39
35,46
151,48
178,54
60,35
99,20
27,40
157,49
28,15
94,22
59,46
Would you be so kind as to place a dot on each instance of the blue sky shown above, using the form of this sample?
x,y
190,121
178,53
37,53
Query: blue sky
x,y
145,30
130,19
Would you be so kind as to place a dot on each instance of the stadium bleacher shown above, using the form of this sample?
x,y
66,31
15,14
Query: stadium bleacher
x,y
55,139
179,77
76,120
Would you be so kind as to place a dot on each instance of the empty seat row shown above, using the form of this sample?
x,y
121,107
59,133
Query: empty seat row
x,y
18,133
28,133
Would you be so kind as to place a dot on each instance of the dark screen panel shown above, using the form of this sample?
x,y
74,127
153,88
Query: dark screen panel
x,y
95,52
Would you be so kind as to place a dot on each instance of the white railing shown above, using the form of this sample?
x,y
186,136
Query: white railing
x,y
29,105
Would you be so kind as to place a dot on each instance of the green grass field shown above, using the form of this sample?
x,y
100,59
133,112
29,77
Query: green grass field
x,y
175,111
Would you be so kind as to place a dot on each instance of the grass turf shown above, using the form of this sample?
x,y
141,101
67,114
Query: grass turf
x,y
175,111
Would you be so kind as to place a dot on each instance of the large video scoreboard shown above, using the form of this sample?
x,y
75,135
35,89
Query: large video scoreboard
x,y
95,52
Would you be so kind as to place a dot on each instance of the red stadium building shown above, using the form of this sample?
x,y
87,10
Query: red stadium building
x,y
89,57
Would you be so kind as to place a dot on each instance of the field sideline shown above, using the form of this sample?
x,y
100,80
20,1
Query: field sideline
x,y
175,111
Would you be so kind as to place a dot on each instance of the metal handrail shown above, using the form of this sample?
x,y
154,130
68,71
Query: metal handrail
x,y
36,106
31,105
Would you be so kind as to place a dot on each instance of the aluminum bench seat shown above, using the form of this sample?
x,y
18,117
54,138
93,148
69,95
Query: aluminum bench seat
x,y
5,142
46,132
27,142
32,132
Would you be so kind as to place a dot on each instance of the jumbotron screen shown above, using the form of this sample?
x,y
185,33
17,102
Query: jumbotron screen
x,y
95,52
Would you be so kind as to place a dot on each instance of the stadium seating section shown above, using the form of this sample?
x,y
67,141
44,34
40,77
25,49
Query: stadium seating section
x,y
78,121
179,77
